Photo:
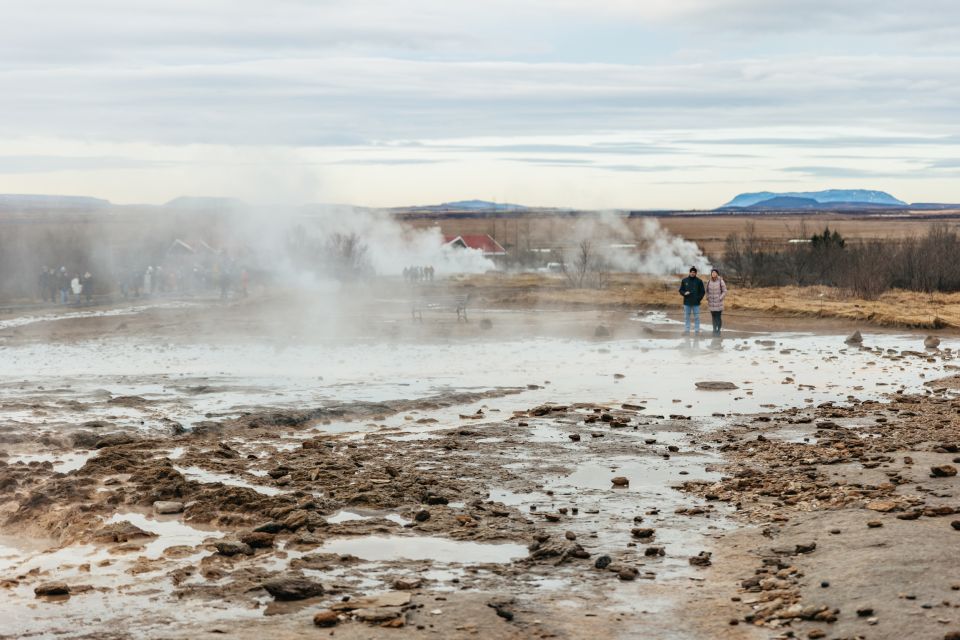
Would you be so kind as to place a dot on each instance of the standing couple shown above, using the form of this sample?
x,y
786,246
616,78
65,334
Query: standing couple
x,y
693,290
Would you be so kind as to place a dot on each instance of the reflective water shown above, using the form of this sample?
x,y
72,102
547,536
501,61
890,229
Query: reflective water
x,y
425,548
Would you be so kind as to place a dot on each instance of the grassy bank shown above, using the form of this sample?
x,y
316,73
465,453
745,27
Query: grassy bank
x,y
626,291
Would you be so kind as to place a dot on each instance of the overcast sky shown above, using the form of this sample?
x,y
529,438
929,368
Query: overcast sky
x,y
606,103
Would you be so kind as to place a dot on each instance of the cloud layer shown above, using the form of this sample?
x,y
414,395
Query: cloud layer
x,y
177,95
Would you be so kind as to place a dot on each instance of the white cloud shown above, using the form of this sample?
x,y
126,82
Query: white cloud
x,y
353,91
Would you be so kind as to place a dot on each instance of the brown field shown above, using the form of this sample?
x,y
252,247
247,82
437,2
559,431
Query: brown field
x,y
709,231
627,291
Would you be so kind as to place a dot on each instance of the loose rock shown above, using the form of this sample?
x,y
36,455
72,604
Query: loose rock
x,y
52,589
167,506
326,619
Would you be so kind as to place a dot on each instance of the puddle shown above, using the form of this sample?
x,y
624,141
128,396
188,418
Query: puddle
x,y
62,462
171,533
23,321
514,499
799,371
350,516
211,477
425,548
656,317
644,474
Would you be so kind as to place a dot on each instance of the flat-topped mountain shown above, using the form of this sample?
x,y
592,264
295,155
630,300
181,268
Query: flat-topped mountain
x,y
829,196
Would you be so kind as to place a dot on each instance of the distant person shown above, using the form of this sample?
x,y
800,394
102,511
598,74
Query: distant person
x,y
63,283
148,281
88,286
691,288
716,292
76,286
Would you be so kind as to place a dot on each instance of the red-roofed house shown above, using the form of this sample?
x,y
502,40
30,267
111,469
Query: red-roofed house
x,y
481,241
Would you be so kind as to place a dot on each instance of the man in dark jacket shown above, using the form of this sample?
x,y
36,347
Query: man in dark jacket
x,y
692,290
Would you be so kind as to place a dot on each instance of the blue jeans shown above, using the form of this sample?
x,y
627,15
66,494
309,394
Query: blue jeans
x,y
687,310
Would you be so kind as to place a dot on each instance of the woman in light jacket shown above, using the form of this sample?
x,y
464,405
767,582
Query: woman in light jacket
x,y
716,292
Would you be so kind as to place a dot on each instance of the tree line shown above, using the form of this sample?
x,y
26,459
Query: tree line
x,y
865,269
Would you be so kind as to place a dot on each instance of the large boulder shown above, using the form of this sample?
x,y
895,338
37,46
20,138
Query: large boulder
x,y
293,587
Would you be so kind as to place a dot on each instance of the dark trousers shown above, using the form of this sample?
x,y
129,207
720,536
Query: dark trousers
x,y
717,321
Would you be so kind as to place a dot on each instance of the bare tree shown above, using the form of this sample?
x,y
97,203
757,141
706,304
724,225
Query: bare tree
x,y
798,256
576,271
347,254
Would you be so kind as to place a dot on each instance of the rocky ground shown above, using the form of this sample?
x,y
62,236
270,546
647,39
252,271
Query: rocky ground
x,y
854,514
568,519
481,482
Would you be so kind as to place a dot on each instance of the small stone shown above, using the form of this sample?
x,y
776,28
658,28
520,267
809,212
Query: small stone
x,y
233,547
575,437
570,535
628,573
407,584
377,615
824,584
854,338
167,506
643,532
955,524
603,562
807,547
293,587
652,552
326,619
52,589
943,471
422,516
257,539
712,385
931,342
883,506
865,612
874,524
817,633
620,481
701,560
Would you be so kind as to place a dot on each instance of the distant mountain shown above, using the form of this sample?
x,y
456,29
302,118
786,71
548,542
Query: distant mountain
x,y
786,202
471,205
206,203
28,202
859,196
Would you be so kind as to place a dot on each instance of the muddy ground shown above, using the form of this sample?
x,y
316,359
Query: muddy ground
x,y
467,513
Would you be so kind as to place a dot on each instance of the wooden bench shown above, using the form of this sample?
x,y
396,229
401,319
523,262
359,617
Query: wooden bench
x,y
456,303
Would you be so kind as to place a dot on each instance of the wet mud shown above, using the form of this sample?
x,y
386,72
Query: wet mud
x,y
537,487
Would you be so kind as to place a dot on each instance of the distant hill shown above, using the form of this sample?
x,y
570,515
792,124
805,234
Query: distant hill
x,y
470,205
206,203
786,202
28,202
830,196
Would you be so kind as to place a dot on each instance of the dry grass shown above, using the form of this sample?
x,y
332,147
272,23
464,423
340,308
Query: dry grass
x,y
708,231
627,291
